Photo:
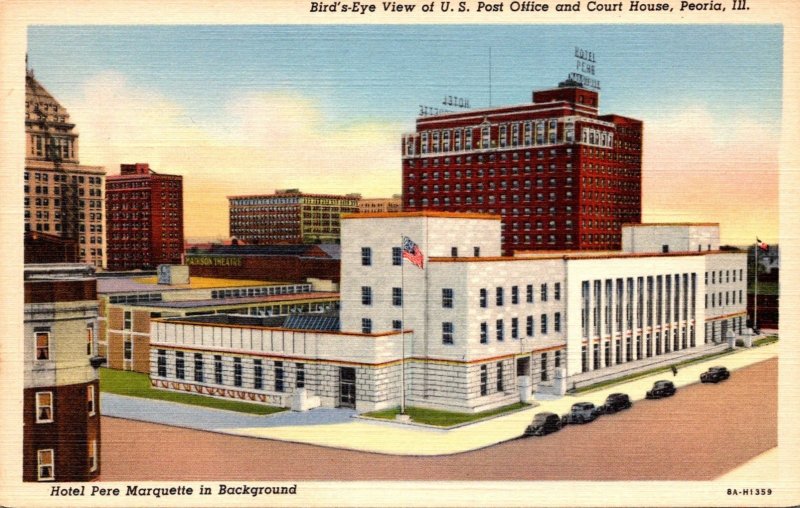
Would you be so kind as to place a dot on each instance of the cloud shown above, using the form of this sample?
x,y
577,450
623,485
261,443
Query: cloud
x,y
698,167
258,143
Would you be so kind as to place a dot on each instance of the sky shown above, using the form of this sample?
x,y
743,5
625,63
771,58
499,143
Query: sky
x,y
250,109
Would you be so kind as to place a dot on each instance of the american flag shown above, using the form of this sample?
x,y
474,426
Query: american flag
x,y
411,252
761,245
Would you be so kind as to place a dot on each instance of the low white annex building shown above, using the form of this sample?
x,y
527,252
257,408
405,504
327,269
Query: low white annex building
x,y
477,325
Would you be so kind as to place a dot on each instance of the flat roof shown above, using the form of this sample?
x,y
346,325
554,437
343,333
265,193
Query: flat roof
x,y
219,302
667,224
134,284
572,255
421,213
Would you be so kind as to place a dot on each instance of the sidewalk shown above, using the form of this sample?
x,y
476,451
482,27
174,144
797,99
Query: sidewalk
x,y
398,439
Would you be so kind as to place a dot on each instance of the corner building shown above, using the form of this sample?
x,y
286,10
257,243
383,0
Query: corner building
x,y
145,218
61,408
562,176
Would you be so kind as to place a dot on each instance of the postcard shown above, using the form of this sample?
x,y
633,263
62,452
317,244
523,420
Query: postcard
x,y
402,253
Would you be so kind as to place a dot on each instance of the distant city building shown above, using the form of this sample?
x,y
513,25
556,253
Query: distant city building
x,y
144,217
561,175
381,205
62,198
127,305
288,217
479,324
290,263
61,409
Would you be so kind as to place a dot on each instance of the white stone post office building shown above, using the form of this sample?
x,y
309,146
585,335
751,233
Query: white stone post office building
x,y
476,323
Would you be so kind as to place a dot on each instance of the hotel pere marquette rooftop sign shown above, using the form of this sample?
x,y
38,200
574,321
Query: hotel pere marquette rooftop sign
x,y
585,69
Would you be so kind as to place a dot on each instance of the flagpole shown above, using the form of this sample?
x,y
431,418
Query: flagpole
x,y
402,329
755,285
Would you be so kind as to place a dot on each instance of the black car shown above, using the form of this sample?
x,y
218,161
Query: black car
x,y
661,389
715,375
543,423
581,412
615,402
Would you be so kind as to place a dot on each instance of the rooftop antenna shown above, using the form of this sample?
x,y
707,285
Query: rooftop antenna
x,y
490,76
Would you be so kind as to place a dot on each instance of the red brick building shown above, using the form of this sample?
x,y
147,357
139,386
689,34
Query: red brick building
x,y
561,175
144,211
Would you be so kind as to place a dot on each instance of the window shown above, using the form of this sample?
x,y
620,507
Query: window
x,y
237,372
162,363
366,325
397,297
447,333
557,322
529,293
397,256
366,295
484,380
529,326
198,367
514,328
543,291
45,465
397,325
258,375
126,325
127,346
89,339
218,369
92,452
483,298
366,256
179,365
499,376
476,251
278,376
90,406
447,298
557,291
44,407
514,295
543,323
42,346
484,333
453,251
499,296
499,332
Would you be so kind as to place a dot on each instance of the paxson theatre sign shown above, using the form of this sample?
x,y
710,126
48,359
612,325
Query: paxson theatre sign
x,y
585,69
213,261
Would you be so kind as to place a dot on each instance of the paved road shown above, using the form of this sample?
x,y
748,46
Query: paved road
x,y
701,433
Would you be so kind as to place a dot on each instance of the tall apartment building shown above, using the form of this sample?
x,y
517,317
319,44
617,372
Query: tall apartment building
x,y
289,216
144,212
62,198
61,411
561,175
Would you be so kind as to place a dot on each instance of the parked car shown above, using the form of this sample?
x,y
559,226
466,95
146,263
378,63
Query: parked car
x,y
661,389
581,412
543,423
715,375
615,402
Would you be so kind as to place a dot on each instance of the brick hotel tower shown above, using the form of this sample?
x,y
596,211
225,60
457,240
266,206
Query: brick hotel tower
x,y
62,198
562,176
145,218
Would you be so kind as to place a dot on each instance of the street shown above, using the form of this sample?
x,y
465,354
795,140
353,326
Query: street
x,y
699,434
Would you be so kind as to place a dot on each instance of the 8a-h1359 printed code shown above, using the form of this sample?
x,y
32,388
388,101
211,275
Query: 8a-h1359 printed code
x,y
749,492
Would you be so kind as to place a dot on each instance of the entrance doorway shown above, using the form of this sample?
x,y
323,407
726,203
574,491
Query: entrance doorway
x,y
524,366
347,387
